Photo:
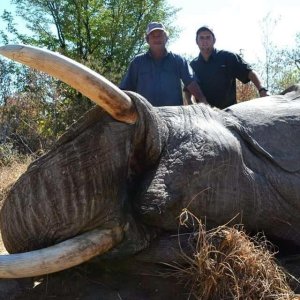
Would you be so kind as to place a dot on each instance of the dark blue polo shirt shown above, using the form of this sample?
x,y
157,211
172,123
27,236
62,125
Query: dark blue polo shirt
x,y
158,81
217,76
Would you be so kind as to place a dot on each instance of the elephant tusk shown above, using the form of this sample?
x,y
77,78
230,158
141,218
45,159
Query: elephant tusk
x,y
61,256
91,84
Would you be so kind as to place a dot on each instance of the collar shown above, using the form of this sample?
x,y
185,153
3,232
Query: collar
x,y
212,56
150,55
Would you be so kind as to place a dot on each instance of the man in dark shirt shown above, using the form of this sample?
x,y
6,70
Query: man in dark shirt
x,y
158,73
217,71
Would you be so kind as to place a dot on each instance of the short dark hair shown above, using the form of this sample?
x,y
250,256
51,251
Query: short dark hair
x,y
204,28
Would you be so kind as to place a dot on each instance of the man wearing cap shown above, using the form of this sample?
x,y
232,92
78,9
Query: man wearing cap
x,y
217,71
157,74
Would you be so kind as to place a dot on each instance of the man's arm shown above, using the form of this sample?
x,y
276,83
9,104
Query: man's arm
x,y
196,91
187,97
191,87
257,82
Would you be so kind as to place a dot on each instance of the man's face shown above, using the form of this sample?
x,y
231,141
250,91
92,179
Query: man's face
x,y
205,41
157,39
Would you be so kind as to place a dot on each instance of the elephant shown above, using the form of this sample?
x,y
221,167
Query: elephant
x,y
116,181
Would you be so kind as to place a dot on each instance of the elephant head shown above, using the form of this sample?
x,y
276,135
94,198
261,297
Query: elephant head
x,y
81,189
123,173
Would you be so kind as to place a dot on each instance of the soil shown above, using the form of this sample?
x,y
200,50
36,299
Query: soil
x,y
95,281
126,279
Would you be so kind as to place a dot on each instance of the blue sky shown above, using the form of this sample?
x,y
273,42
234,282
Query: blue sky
x,y
236,24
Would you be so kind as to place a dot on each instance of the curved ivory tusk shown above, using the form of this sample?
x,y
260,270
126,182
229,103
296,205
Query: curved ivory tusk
x,y
61,256
89,83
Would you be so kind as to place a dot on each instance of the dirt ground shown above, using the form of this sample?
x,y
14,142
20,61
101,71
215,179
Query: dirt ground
x,y
95,280
107,280
91,282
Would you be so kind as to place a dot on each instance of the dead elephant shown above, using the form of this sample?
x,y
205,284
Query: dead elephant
x,y
119,178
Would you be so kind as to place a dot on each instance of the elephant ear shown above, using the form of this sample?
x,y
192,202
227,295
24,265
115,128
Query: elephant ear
x,y
271,126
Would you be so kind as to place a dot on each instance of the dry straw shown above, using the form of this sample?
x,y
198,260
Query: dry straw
x,y
225,263
10,173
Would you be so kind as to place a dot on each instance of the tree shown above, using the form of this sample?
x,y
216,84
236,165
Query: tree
x,y
103,35
290,66
31,117
281,67
268,25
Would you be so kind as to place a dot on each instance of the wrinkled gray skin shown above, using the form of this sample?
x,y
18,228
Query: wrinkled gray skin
x,y
243,162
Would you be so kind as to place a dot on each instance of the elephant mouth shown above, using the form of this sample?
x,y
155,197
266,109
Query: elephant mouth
x,y
61,256
115,102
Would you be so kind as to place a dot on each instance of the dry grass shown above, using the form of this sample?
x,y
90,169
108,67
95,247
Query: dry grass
x,y
10,173
228,264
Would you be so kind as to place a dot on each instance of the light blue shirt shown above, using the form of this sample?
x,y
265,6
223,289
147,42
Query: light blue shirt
x,y
159,81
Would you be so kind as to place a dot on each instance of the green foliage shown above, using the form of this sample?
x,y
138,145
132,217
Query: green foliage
x,y
32,118
103,35
107,33
280,67
13,79
7,154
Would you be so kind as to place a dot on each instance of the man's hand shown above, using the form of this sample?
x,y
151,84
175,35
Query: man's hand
x,y
263,92
202,100
195,90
